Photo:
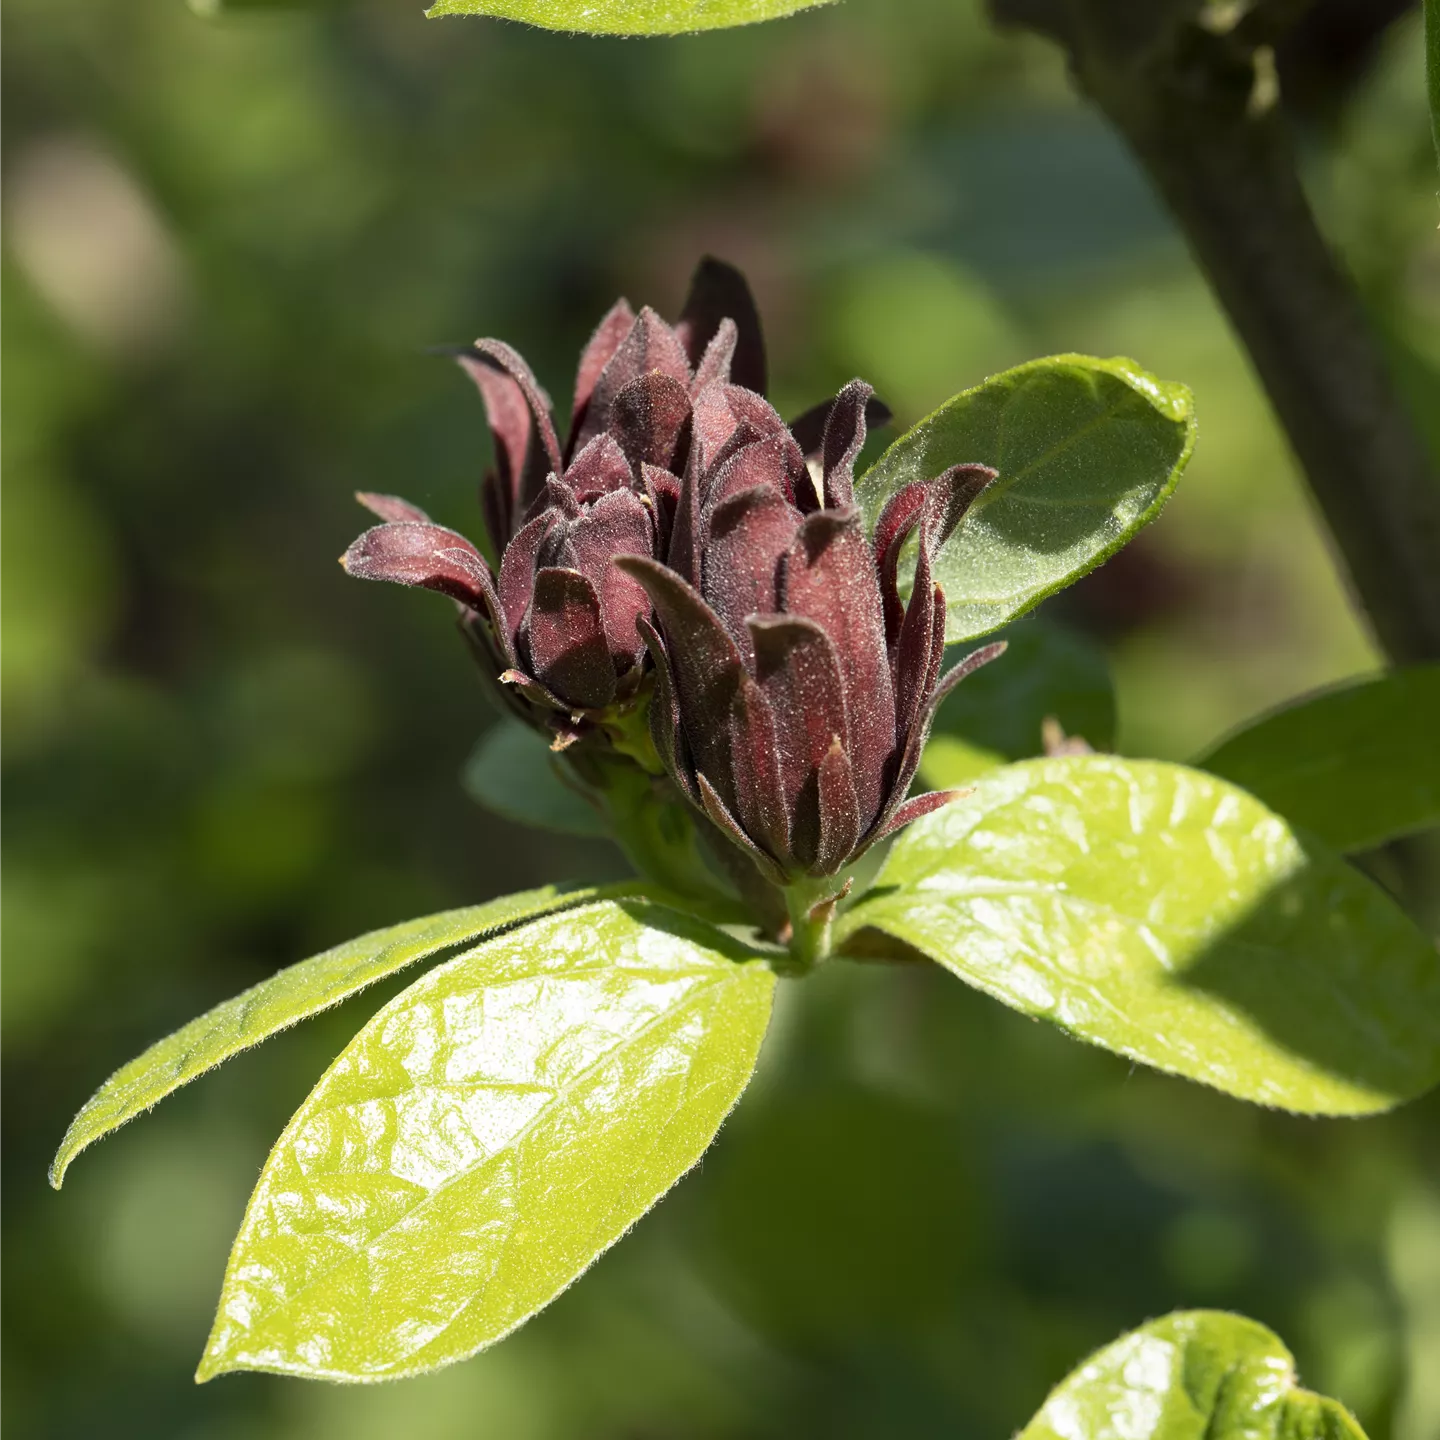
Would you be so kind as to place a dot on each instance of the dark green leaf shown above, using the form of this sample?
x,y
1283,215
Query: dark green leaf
x,y
627,17
295,994
1355,766
513,772
1432,64
1088,451
1164,914
1196,1375
487,1135
997,715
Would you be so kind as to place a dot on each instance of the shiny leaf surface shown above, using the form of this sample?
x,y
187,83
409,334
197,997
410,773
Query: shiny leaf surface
x,y
1166,915
512,771
997,714
627,17
295,994
1088,451
1356,766
487,1135
1194,1375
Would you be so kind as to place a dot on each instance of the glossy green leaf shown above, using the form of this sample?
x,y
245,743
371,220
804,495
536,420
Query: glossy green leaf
x,y
1162,913
1088,451
512,771
295,994
1356,766
1194,1375
997,715
484,1138
628,17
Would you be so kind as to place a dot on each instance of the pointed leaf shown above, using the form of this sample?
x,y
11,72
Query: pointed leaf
x,y
512,771
1194,1375
1356,766
627,17
1166,915
484,1138
1088,451
996,715
295,994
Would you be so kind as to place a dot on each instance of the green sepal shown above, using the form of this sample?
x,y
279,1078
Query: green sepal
x,y
292,995
1087,452
1355,766
1193,1375
1167,915
485,1138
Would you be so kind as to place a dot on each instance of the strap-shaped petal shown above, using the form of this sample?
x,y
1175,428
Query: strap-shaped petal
x,y
839,812
391,507
719,292
490,355
565,637
649,417
609,335
517,569
913,809
765,462
599,468
808,427
748,535
649,345
412,552
721,817
843,442
665,716
616,524
829,576
713,367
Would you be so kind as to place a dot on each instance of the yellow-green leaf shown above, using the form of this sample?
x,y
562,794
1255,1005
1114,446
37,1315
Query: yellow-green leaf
x,y
487,1135
1356,766
1194,1375
1087,452
295,994
627,17
1165,914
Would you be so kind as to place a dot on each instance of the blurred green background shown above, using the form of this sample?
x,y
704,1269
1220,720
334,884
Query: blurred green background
x,y
228,242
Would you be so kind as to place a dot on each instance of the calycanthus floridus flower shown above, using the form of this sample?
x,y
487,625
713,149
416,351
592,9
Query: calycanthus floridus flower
x,y
795,687
684,531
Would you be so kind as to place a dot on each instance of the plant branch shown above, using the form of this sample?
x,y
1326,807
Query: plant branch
x,y
1182,89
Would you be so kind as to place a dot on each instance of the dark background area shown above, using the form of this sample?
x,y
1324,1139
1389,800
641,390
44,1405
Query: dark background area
x,y
229,242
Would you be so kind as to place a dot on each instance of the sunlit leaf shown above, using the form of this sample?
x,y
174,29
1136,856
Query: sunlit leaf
x,y
998,714
511,771
1164,914
487,1135
1194,1375
1088,451
295,994
1355,766
628,17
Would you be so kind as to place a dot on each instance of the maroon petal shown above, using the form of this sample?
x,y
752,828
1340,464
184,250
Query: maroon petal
x,y
600,467
511,428
662,489
648,417
844,439
517,570
411,553
913,809
713,367
665,715
913,654
391,507
565,638
839,812
754,756
829,576
617,524
608,337
649,345
808,428
763,464
799,674
968,666
719,292
726,823
903,511
952,494
746,538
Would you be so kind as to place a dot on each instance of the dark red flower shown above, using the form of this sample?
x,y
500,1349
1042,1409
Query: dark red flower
x,y
795,687
558,622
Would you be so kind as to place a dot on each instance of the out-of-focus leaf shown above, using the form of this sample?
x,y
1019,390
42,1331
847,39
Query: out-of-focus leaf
x,y
628,17
1432,64
295,994
1088,451
487,1135
1355,766
1194,1375
512,772
997,714
1167,915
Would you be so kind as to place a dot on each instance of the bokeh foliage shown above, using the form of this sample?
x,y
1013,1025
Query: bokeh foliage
x,y
229,242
